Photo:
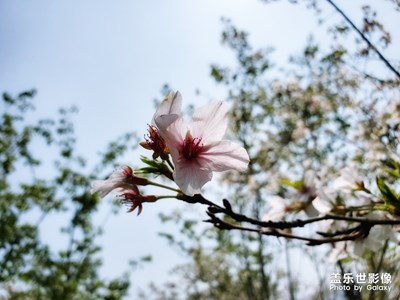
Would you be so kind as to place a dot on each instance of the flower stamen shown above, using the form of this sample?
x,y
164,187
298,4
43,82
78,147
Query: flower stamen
x,y
191,147
154,141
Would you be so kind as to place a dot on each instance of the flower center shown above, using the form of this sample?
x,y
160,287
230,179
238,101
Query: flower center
x,y
191,147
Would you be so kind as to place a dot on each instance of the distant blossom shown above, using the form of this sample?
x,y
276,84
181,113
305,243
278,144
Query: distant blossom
x,y
276,211
376,237
348,181
308,192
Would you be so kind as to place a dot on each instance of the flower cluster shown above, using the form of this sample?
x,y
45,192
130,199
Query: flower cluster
x,y
190,151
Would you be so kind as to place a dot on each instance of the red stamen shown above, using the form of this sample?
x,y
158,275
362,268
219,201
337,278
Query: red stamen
x,y
191,147
156,143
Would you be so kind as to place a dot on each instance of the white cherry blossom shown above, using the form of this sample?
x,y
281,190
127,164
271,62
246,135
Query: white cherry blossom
x,y
348,181
376,237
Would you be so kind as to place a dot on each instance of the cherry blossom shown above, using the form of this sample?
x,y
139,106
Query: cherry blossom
x,y
348,182
374,241
198,148
154,141
376,236
123,177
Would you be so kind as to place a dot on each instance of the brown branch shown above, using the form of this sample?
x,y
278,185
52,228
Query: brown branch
x,y
277,228
227,210
362,232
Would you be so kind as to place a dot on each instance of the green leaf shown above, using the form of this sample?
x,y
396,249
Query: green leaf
x,y
295,184
149,162
389,195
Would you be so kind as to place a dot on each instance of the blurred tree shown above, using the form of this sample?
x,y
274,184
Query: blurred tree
x,y
31,190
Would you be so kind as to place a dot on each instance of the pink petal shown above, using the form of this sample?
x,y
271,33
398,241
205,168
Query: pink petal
x,y
190,177
173,137
210,122
225,155
103,187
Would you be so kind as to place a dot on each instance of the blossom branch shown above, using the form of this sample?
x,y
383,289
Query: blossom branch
x,y
361,232
276,229
227,210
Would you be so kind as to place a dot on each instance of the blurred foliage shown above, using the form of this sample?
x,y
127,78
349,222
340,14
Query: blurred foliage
x,y
34,189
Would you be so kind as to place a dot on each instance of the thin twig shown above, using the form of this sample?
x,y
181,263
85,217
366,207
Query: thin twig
x,y
221,224
381,57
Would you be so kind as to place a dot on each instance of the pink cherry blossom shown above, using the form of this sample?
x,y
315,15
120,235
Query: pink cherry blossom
x,y
123,177
198,148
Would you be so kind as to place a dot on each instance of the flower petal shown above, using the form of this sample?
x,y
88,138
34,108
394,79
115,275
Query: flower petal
x,y
122,177
347,180
210,122
170,105
225,155
173,137
162,122
311,211
168,111
322,205
190,177
103,187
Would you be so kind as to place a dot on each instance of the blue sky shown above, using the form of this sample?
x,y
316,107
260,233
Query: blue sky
x,y
111,58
